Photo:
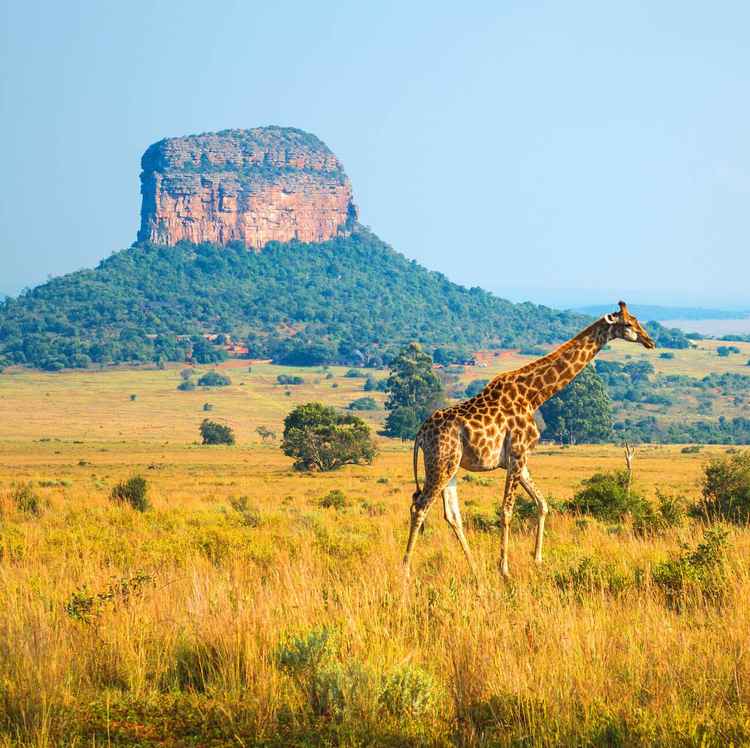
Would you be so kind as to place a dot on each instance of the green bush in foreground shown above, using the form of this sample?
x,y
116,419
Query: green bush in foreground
x,y
606,497
133,492
726,489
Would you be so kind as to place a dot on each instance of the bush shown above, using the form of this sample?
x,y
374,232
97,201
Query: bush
x,y
334,500
695,574
408,693
363,403
186,374
605,496
133,491
726,489
592,576
214,379
287,379
207,407
216,433
133,398
668,513
354,374
320,438
692,449
667,355
26,501
186,386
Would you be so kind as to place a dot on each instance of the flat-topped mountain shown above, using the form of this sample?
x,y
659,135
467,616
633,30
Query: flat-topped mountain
x,y
322,290
252,186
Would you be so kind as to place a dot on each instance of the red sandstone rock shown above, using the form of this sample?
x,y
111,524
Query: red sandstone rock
x,y
253,186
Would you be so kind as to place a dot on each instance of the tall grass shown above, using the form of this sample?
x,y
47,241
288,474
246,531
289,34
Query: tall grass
x,y
119,627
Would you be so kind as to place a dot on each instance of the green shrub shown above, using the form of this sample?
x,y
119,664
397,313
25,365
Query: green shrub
x,y
726,489
214,379
606,497
666,355
186,386
308,660
692,449
593,576
670,511
289,380
133,492
695,575
216,433
207,407
133,398
334,499
354,374
363,403
26,501
186,374
408,693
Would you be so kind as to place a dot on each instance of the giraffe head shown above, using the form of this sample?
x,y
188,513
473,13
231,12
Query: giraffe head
x,y
624,325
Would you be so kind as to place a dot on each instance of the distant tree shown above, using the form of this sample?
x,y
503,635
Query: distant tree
x,y
216,433
580,412
639,371
666,355
186,374
475,387
206,353
363,403
186,385
320,438
289,379
375,385
413,388
726,350
354,374
214,379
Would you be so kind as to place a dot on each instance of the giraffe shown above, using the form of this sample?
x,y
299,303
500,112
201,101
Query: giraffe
x,y
496,429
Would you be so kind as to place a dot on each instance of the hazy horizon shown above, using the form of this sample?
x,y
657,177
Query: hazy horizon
x,y
566,155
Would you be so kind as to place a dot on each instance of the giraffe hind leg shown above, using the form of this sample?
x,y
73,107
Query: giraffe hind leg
x,y
453,518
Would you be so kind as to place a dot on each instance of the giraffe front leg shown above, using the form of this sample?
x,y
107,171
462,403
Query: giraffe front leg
x,y
419,508
542,510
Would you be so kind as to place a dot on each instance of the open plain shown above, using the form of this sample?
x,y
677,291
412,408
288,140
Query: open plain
x,y
238,610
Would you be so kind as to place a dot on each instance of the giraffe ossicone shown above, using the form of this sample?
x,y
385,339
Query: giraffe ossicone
x,y
496,429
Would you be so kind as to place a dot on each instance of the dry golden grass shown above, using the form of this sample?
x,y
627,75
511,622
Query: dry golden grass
x,y
191,600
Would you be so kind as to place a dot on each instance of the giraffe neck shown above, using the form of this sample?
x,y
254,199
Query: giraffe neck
x,y
548,375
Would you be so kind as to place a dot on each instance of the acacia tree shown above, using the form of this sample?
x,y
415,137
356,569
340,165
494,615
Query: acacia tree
x,y
414,392
580,412
321,438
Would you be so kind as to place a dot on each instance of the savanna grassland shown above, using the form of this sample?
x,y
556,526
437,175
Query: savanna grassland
x,y
240,610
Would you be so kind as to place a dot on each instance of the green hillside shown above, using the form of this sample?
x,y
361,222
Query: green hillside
x,y
349,300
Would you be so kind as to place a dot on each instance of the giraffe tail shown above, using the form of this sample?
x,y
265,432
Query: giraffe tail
x,y
417,446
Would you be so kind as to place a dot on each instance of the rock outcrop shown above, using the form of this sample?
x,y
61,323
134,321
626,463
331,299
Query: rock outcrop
x,y
253,186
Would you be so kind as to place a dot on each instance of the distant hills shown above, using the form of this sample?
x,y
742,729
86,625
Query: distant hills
x,y
249,240
352,299
661,313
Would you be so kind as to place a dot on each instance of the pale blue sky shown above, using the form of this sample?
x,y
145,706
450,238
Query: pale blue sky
x,y
567,152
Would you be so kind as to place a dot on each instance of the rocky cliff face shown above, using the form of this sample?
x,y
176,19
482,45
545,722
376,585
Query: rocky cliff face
x,y
253,186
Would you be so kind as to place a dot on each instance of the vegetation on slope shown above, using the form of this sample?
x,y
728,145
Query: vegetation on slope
x,y
349,300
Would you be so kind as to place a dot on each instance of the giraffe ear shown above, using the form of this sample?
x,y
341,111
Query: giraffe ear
x,y
624,313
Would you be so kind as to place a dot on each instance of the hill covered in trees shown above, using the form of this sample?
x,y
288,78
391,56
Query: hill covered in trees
x,y
352,299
